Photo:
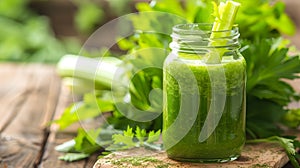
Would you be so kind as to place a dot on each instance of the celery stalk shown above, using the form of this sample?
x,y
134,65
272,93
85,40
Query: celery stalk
x,y
89,70
80,86
225,17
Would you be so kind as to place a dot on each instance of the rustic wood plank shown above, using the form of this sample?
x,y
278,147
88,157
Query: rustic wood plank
x,y
17,153
28,94
42,86
50,157
253,155
13,90
57,137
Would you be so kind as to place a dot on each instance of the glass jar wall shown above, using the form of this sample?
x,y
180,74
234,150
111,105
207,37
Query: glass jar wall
x,y
204,98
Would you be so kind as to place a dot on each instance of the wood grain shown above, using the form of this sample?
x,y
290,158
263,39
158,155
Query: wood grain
x,y
50,157
28,98
253,155
56,137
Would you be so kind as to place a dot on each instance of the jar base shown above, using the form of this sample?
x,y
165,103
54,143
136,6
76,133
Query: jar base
x,y
205,160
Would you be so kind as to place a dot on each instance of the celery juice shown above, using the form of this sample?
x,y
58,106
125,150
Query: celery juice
x,y
204,95
226,141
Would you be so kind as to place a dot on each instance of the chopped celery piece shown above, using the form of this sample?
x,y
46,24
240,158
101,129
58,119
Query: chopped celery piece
x,y
225,16
80,86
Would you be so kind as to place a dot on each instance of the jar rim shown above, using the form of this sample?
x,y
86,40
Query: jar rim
x,y
199,36
200,28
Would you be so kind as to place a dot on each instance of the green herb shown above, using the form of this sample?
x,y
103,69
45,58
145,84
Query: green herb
x,y
257,18
88,16
193,10
125,140
88,142
90,107
27,36
153,136
120,7
85,141
81,147
286,143
129,140
292,118
70,157
267,65
141,134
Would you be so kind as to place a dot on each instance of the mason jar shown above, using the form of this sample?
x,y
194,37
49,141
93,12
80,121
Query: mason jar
x,y
204,84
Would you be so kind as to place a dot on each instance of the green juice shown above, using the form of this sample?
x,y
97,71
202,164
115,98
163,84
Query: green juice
x,y
211,127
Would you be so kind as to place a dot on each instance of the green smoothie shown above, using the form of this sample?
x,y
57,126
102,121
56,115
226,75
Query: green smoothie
x,y
212,125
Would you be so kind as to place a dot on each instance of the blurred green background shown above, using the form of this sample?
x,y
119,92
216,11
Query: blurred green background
x,y
45,30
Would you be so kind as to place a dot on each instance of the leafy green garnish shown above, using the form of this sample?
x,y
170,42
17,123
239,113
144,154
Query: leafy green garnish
x,y
81,147
153,136
27,36
270,63
292,118
140,134
287,143
125,140
258,18
267,65
88,142
88,16
90,107
70,157
129,140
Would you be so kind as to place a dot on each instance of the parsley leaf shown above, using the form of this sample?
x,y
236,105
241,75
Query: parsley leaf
x,y
129,140
258,18
153,136
267,65
126,140
89,108
81,147
85,141
287,143
140,134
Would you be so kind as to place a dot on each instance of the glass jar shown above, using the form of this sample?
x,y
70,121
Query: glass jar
x,y
204,100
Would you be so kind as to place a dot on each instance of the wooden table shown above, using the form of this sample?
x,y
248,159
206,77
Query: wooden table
x,y
30,96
